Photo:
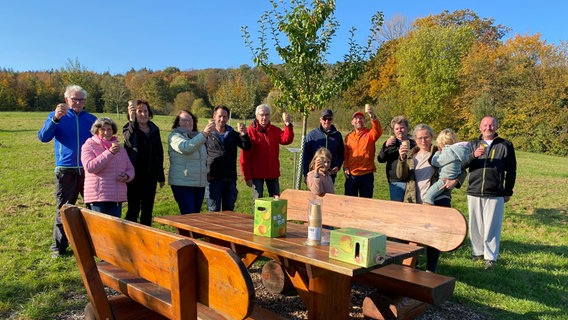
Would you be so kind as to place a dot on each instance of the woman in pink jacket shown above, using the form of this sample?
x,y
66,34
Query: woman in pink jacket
x,y
107,169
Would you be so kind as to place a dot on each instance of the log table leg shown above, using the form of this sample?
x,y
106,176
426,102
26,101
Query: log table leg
x,y
274,278
330,294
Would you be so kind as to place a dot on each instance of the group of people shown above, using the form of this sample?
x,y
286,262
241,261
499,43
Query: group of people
x,y
419,171
89,160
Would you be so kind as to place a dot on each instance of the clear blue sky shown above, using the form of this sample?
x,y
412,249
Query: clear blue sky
x,y
117,35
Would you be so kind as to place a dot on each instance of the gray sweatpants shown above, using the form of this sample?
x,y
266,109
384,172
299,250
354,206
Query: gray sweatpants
x,y
485,221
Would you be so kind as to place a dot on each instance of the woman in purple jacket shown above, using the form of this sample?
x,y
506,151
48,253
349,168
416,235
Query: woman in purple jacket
x,y
107,169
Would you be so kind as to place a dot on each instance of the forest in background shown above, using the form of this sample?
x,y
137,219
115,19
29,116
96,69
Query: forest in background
x,y
446,70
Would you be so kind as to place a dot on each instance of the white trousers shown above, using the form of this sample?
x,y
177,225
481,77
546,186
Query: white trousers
x,y
485,221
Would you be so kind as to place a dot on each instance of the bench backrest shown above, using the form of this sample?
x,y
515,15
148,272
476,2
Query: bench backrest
x,y
191,271
439,227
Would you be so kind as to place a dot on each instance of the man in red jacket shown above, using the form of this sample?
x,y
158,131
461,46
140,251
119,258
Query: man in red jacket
x,y
261,163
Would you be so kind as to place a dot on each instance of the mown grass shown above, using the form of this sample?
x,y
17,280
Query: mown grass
x,y
529,282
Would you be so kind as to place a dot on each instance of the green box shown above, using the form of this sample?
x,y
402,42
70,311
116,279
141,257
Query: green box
x,y
270,217
361,247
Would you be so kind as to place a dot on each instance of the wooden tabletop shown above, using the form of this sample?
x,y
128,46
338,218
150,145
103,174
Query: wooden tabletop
x,y
237,228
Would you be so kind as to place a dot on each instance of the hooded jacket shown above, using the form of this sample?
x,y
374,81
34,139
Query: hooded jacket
x,y
102,169
70,132
261,161
317,138
188,156
451,159
494,173
222,155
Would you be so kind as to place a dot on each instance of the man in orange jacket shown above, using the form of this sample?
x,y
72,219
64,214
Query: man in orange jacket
x,y
359,162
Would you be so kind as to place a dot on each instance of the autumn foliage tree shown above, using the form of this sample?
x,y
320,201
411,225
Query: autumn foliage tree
x,y
237,92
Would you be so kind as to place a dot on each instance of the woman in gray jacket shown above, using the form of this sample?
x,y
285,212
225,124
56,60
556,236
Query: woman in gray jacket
x,y
188,156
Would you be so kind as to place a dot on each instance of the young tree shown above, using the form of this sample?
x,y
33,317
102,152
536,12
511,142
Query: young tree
x,y
301,34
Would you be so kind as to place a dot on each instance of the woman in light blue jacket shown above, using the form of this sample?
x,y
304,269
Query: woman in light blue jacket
x,y
188,156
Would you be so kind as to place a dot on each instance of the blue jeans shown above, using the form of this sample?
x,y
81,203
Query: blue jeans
x,y
221,195
111,208
273,186
360,186
396,190
189,199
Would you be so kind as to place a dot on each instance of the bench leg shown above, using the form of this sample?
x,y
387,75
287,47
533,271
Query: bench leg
x,y
384,306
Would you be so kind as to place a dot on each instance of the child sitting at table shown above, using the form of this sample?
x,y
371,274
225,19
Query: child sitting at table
x,y
318,179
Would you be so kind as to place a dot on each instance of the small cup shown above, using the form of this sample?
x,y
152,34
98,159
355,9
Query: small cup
x,y
63,105
368,108
405,143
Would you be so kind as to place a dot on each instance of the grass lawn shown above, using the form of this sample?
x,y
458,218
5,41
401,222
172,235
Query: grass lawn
x,y
530,280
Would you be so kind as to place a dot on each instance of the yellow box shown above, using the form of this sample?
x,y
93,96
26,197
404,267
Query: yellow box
x,y
360,247
270,217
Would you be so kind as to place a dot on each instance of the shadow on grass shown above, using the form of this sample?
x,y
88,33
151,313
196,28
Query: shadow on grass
x,y
522,279
548,216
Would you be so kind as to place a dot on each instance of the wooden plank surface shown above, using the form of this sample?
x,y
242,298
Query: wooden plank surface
x,y
439,227
166,272
237,228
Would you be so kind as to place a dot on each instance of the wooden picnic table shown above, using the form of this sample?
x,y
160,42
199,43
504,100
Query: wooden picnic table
x,y
324,284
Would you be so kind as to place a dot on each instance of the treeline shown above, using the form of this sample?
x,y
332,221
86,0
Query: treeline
x,y
446,70
168,91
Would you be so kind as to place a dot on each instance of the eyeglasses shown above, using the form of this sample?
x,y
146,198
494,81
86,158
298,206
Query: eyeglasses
x,y
423,138
327,119
184,120
77,99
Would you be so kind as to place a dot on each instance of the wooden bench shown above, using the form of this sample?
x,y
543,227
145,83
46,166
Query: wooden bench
x,y
159,275
439,227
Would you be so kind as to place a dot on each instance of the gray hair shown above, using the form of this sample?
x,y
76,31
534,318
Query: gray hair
x,y
101,122
75,88
261,107
422,126
400,120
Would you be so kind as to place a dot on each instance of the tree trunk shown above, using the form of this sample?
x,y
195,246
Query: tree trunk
x,y
299,174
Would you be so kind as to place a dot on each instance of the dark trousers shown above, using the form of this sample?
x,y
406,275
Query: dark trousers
x,y
189,199
141,195
273,186
433,254
222,195
68,185
360,186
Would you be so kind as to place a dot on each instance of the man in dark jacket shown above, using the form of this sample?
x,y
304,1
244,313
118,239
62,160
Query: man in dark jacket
x,y
389,154
222,144
326,135
492,174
